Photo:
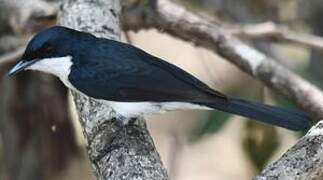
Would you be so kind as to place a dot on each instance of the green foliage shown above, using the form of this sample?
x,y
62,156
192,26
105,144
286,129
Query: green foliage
x,y
259,142
212,124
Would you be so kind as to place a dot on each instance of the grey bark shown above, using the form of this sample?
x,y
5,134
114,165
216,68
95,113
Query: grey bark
x,y
116,150
302,161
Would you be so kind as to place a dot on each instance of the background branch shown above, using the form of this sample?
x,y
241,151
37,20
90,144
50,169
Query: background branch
x,y
270,30
177,21
12,48
12,56
116,150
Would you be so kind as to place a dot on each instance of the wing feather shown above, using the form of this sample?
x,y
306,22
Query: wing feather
x,y
128,74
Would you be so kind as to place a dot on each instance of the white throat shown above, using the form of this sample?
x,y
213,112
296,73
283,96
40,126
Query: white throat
x,y
58,66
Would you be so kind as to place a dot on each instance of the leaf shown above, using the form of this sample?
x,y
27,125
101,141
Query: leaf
x,y
215,121
259,142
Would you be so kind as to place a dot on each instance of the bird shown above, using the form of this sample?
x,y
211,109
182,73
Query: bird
x,y
133,82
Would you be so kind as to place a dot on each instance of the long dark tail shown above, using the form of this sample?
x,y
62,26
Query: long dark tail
x,y
294,120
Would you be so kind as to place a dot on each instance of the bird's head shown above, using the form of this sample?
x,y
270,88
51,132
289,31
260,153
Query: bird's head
x,y
48,51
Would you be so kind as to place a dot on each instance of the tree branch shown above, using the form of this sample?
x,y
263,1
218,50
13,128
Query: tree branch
x,y
12,48
116,150
269,30
177,21
30,16
302,161
12,56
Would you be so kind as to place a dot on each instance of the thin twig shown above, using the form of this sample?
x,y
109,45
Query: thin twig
x,y
275,32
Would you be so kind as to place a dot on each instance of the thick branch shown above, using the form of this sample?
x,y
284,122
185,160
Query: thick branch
x,y
117,151
275,32
177,21
302,161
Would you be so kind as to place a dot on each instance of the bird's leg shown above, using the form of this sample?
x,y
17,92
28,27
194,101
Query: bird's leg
x,y
132,121
126,120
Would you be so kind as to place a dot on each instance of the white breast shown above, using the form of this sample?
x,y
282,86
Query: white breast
x,y
136,109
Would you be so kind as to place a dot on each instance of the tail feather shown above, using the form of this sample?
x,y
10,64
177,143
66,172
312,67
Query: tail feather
x,y
294,120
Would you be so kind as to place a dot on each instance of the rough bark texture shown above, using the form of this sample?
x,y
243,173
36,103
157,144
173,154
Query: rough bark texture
x,y
117,151
302,161
177,21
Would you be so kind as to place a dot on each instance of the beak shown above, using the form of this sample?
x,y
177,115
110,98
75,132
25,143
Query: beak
x,y
20,66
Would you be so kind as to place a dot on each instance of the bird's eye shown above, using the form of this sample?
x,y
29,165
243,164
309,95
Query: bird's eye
x,y
48,49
